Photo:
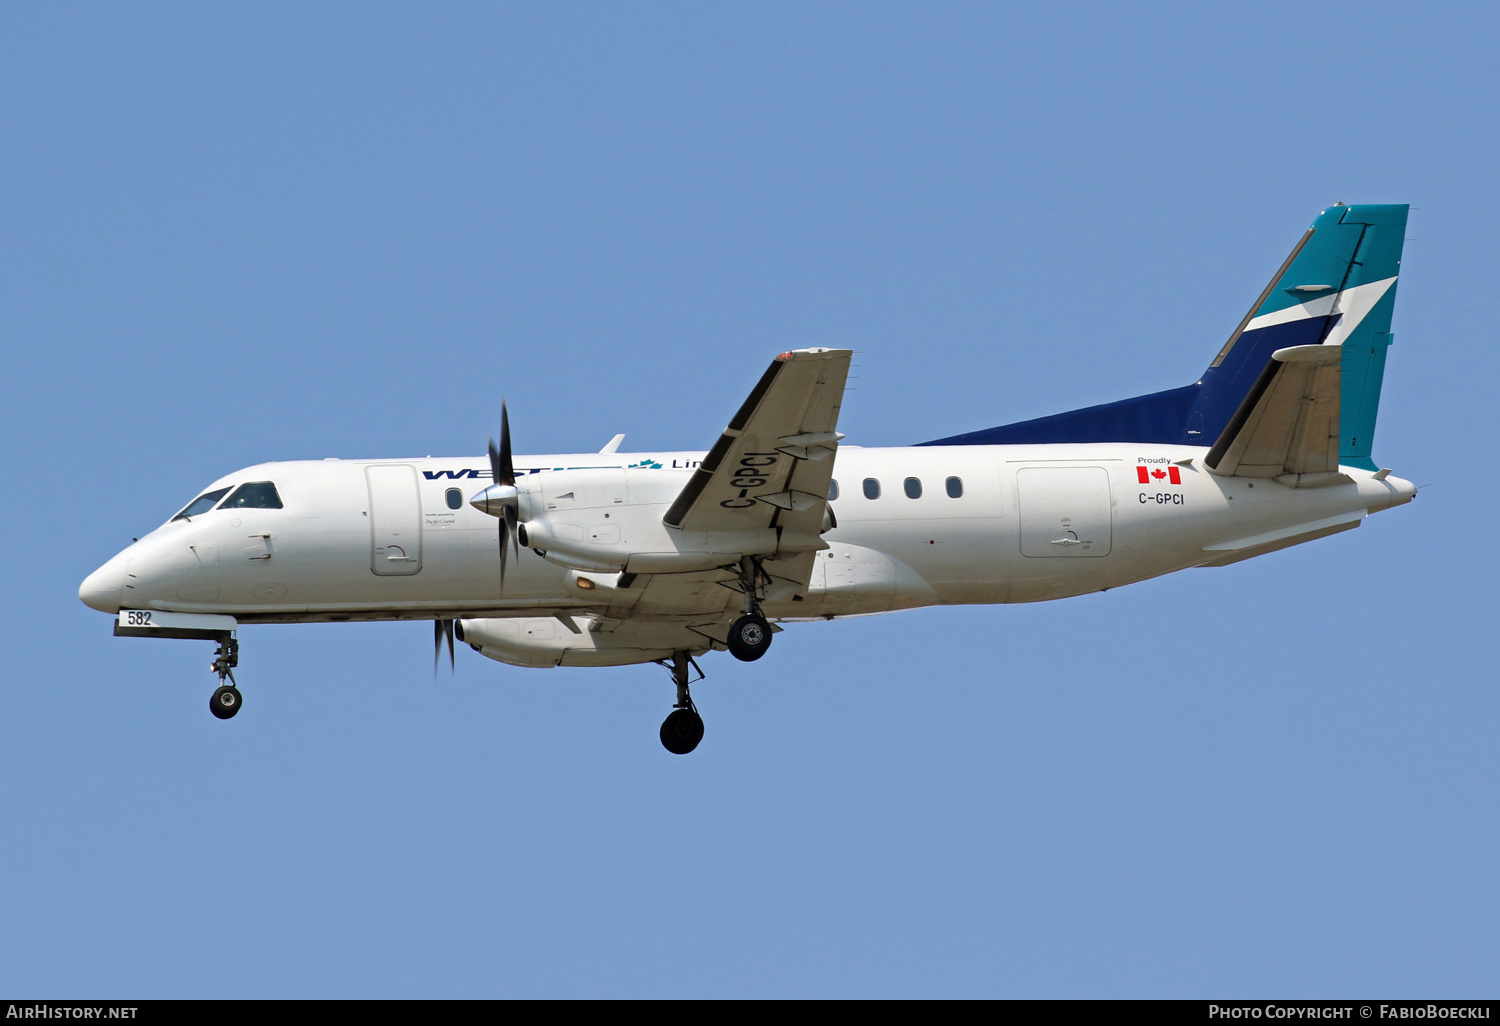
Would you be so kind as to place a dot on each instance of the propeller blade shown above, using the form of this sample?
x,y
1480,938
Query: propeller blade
x,y
441,629
506,467
503,472
512,519
494,463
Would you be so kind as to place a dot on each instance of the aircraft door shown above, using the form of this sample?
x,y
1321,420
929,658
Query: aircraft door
x,y
1065,511
395,520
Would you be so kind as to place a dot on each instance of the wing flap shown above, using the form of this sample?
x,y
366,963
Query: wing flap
x,y
688,595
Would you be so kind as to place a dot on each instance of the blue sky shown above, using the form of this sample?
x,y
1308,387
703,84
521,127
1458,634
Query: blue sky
x,y
258,232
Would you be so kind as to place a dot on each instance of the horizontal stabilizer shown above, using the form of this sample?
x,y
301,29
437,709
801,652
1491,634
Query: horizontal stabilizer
x,y
1287,427
1227,553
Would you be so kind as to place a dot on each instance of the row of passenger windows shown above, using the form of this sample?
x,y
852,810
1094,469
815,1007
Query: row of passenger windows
x,y
262,495
912,486
250,495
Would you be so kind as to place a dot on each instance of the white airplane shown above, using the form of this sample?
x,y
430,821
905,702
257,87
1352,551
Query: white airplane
x,y
606,559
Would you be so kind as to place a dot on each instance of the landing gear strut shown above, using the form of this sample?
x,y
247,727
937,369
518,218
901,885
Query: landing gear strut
x,y
683,728
750,635
226,699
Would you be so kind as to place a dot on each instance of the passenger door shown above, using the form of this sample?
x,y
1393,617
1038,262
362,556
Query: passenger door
x,y
395,520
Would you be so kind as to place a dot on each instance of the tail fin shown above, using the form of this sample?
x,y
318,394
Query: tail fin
x,y
1338,287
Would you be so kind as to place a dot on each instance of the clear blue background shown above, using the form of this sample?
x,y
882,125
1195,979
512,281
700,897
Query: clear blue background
x,y
257,232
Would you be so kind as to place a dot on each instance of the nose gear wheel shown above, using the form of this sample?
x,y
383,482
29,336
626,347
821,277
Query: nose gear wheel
x,y
226,699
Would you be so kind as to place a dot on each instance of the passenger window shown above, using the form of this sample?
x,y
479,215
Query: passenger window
x,y
955,487
872,488
202,504
833,490
913,486
253,495
455,499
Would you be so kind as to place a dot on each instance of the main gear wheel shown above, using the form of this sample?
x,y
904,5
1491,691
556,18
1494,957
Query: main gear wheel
x,y
749,637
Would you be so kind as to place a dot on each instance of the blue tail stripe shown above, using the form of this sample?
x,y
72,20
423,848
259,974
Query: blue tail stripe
x,y
1145,418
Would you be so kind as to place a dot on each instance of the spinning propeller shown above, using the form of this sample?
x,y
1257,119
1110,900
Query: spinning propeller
x,y
440,630
499,499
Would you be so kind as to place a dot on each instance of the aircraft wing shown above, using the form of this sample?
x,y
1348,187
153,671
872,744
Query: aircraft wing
x,y
772,465
1287,427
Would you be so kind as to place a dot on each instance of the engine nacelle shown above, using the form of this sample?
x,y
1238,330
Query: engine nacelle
x,y
609,520
541,643
640,544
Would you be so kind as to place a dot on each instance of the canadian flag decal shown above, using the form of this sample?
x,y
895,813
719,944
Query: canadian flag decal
x,y
1149,475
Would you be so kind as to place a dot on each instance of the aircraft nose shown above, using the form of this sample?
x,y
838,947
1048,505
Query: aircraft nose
x,y
101,589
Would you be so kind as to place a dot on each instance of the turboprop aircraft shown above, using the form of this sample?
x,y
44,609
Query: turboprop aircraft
x,y
606,559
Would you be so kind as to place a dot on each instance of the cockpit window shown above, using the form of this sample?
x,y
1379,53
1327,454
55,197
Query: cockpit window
x,y
253,495
202,504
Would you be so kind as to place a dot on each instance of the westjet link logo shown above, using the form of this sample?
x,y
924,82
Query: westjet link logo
x,y
484,475
472,475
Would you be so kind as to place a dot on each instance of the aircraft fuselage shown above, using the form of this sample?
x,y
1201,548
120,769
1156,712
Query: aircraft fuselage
x,y
981,524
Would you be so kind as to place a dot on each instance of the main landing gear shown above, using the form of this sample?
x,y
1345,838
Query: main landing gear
x,y
683,728
226,699
750,635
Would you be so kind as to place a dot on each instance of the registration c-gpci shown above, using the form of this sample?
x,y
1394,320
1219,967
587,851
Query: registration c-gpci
x,y
1162,498
754,471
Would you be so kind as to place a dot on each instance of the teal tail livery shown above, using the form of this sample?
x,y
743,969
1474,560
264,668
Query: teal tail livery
x,y
1336,288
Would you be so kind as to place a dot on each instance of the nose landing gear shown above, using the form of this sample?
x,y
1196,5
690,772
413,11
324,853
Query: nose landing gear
x,y
226,699
683,728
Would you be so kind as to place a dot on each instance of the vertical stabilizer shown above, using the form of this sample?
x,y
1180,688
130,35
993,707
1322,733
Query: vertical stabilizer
x,y
1337,288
